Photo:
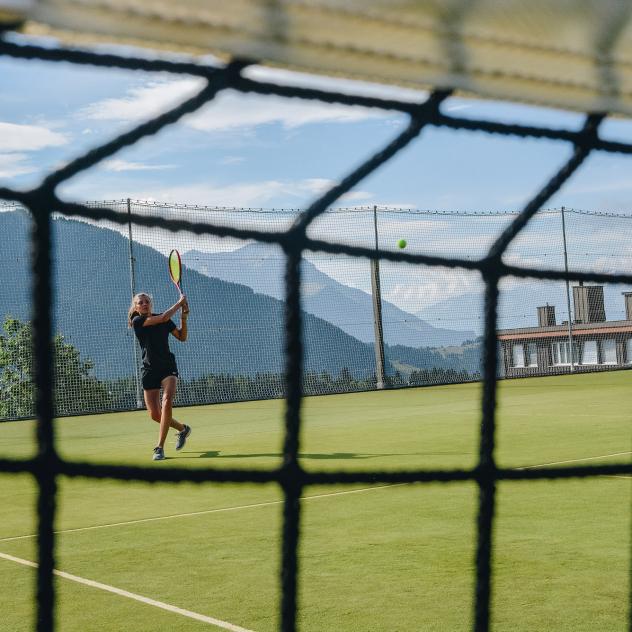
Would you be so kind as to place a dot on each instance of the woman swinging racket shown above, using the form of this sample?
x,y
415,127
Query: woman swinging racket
x,y
159,364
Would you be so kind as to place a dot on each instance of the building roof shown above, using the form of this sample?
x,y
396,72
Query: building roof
x,y
557,331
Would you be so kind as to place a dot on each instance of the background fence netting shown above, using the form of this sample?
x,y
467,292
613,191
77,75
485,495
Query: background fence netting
x,y
367,323
490,265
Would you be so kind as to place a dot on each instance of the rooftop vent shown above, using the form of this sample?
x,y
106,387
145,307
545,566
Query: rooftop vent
x,y
546,315
589,303
627,297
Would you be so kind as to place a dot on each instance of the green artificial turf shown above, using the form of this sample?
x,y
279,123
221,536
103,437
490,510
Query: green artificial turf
x,y
380,558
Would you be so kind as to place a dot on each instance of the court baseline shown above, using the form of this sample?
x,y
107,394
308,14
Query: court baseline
x,y
129,595
201,513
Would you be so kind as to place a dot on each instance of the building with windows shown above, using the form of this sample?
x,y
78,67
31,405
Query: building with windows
x,y
588,343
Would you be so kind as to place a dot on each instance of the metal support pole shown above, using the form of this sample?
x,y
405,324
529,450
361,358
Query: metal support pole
x,y
132,281
377,314
568,296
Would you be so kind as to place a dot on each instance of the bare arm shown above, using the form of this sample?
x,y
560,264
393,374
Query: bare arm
x,y
181,334
166,315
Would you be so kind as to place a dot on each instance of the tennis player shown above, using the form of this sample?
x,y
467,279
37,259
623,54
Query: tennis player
x,y
159,364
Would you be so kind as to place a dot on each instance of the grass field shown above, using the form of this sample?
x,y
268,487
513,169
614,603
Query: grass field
x,y
383,558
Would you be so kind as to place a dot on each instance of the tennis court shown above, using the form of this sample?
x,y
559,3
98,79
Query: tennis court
x,y
383,557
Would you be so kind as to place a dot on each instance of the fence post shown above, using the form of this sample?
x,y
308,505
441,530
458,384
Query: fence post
x,y
377,314
132,281
571,350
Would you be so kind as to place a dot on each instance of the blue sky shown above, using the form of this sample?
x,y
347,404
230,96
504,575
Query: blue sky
x,y
267,151
255,151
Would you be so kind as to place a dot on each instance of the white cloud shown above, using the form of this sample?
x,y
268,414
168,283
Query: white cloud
x,y
437,286
244,194
228,111
232,160
241,196
537,260
28,137
124,165
458,107
356,195
143,102
12,165
318,186
441,235
232,111
577,187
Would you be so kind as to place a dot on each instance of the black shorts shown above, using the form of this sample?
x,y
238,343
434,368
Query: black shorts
x,y
152,378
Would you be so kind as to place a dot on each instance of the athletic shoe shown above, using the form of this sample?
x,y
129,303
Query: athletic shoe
x,y
182,436
159,454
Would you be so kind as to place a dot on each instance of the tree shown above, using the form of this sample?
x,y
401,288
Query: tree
x,y
75,389
16,370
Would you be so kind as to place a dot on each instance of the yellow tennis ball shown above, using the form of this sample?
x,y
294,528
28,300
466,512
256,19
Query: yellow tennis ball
x,y
401,243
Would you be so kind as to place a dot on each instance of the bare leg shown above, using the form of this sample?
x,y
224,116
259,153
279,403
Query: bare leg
x,y
152,401
166,420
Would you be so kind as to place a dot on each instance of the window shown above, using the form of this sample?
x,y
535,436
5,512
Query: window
x,y
517,356
628,350
608,351
532,354
589,352
560,352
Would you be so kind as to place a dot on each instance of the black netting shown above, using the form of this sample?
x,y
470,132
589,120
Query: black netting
x,y
42,202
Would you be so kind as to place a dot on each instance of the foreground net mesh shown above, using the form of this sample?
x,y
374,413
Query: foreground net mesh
x,y
493,265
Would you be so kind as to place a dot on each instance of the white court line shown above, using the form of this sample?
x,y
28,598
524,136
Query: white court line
x,y
589,458
278,502
202,513
194,615
124,593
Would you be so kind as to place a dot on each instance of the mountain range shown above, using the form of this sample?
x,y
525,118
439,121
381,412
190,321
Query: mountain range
x,y
232,328
262,266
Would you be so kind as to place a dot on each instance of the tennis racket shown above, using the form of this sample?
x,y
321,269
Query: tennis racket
x,y
175,269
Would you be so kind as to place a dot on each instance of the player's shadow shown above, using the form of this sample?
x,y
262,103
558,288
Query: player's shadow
x,y
214,454
211,454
